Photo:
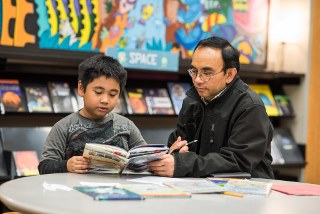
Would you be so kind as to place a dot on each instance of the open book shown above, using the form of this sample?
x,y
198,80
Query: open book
x,y
109,158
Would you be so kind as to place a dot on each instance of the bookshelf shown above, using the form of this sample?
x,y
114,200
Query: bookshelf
x,y
30,71
40,73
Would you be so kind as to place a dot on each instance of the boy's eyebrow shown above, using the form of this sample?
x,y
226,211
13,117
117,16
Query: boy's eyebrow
x,y
102,88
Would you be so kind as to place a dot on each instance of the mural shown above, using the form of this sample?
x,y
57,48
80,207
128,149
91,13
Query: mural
x,y
170,26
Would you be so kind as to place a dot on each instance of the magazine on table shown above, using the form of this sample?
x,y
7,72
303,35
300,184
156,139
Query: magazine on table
x,y
243,186
108,193
154,190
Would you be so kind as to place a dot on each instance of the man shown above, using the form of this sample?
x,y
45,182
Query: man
x,y
227,118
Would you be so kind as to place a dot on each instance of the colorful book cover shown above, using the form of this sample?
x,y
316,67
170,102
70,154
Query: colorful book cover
x,y
61,97
108,193
158,101
11,97
121,107
136,103
38,99
265,93
26,163
284,105
177,91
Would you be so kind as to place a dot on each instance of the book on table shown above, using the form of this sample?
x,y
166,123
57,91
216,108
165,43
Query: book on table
x,y
242,186
108,158
154,190
195,186
108,193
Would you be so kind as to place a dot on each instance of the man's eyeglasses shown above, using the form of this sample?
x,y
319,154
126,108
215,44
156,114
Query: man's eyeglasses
x,y
205,76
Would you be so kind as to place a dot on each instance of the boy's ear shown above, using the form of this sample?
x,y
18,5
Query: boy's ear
x,y
80,89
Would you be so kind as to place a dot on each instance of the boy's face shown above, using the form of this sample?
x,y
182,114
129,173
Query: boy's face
x,y
100,97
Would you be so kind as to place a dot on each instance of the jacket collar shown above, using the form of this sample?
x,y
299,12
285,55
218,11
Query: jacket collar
x,y
194,94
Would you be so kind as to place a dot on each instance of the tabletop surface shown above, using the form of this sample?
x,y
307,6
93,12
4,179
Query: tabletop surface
x,y
27,195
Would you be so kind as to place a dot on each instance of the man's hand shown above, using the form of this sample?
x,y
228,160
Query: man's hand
x,y
180,145
78,164
163,167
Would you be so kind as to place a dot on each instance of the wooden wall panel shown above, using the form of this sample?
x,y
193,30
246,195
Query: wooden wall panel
x,y
312,173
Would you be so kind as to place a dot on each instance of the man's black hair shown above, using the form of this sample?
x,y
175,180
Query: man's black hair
x,y
230,55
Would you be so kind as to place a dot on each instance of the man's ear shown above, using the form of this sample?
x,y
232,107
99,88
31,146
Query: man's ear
x,y
231,73
80,89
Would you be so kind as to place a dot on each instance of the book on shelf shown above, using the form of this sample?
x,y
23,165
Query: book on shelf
x,y
158,101
136,104
154,190
276,154
121,107
287,146
108,193
26,163
177,91
284,105
106,158
38,99
265,93
63,101
78,98
11,97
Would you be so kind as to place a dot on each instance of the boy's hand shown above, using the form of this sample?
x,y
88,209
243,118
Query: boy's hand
x,y
78,164
180,145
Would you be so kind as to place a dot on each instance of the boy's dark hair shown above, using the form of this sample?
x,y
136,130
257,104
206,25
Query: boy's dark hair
x,y
230,55
100,65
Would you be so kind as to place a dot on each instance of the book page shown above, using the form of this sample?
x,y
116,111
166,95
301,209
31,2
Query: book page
x,y
105,159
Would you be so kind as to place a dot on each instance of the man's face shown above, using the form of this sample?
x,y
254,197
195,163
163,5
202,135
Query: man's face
x,y
100,97
207,61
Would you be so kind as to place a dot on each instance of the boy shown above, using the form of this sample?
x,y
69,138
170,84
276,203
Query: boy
x,y
101,80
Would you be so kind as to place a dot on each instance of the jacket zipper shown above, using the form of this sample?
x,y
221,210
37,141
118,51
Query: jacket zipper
x,y
212,133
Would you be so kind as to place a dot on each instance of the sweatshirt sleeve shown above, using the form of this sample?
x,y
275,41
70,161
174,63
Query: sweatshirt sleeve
x,y
52,159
